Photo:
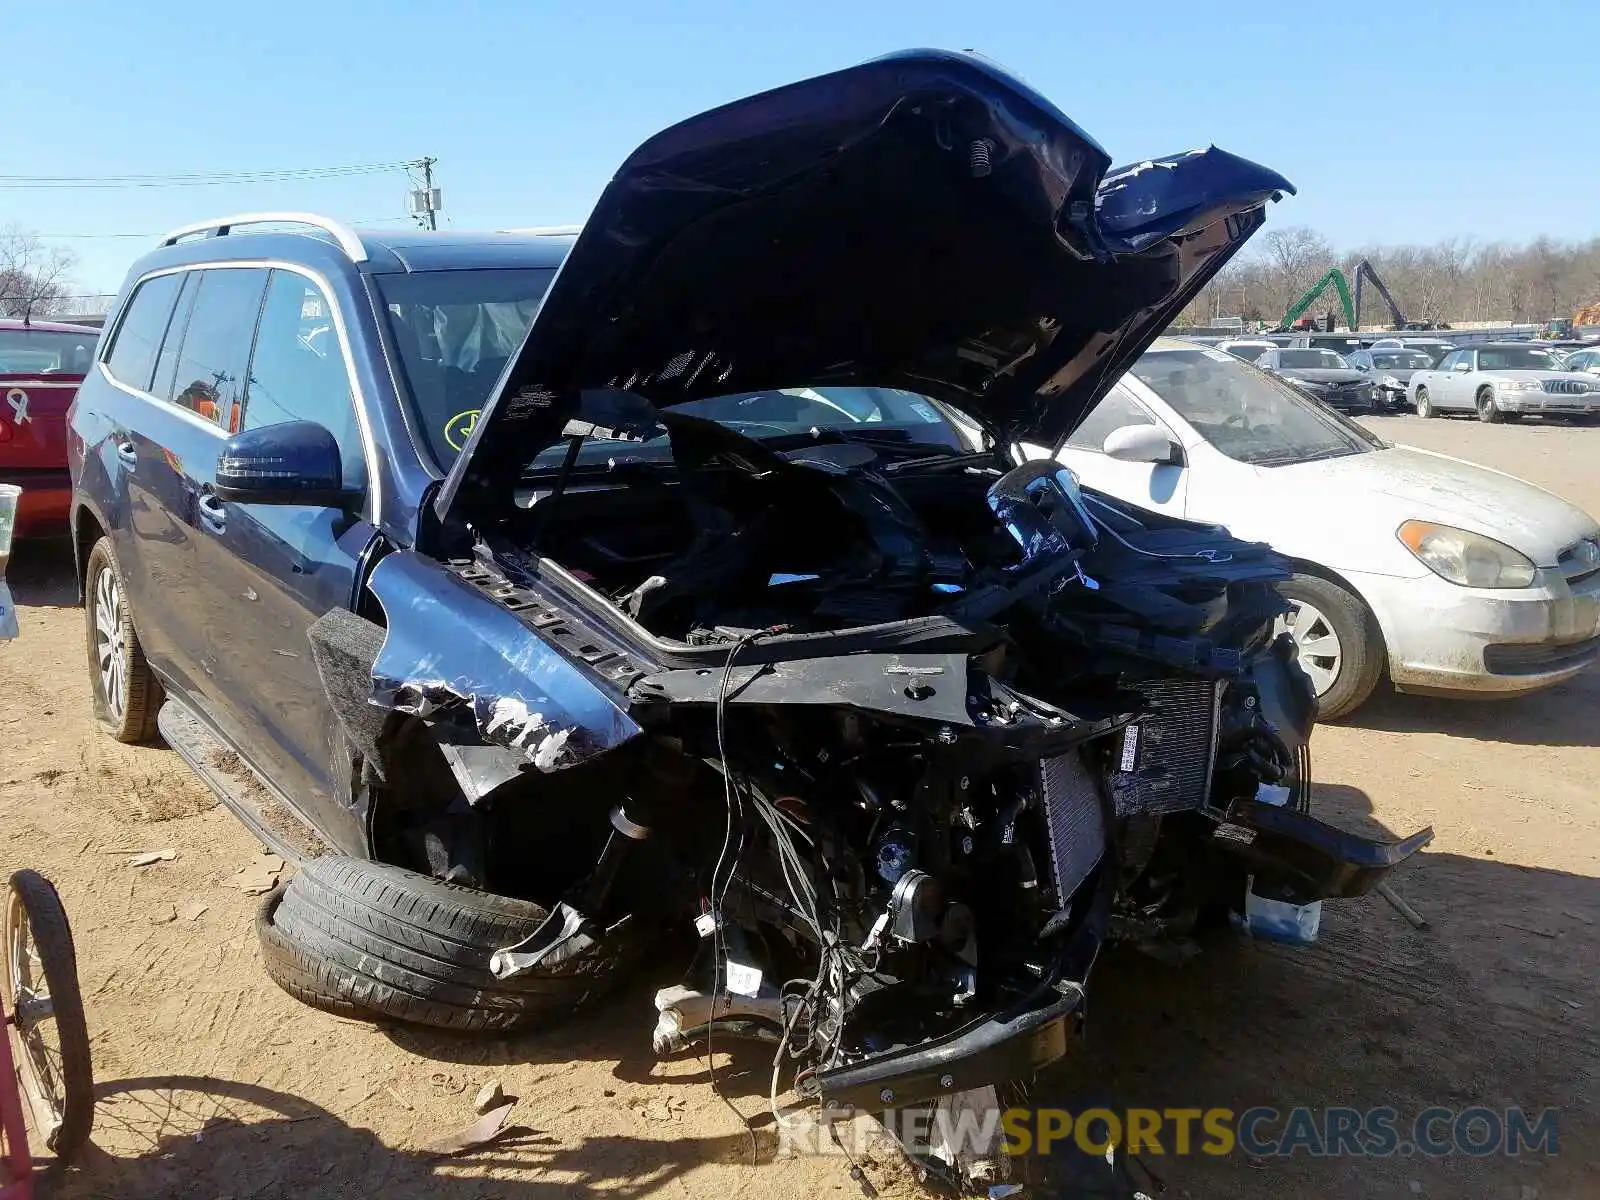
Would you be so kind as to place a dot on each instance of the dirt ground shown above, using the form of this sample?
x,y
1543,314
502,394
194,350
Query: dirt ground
x,y
213,1083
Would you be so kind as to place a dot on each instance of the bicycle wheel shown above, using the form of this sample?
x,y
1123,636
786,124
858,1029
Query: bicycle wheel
x,y
54,1070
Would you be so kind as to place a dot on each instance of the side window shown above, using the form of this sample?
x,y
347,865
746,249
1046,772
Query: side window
x,y
1448,361
1119,408
216,347
297,372
167,362
132,355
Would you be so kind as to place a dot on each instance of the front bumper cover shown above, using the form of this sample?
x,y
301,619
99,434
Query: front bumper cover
x,y
986,1051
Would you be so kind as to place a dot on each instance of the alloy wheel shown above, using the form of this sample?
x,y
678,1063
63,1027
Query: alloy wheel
x,y
1316,643
110,644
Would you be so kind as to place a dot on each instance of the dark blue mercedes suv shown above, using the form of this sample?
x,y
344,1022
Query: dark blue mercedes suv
x,y
548,599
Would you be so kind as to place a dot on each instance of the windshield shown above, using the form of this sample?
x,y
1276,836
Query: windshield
x,y
1402,360
455,332
1247,414
45,352
783,415
1318,359
1518,358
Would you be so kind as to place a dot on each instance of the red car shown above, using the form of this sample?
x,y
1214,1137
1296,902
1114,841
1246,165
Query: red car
x,y
41,365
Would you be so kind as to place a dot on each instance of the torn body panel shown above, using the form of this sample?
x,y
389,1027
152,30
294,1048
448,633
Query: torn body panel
x,y
450,651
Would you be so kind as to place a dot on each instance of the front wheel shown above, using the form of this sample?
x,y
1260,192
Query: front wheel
x,y
1337,642
46,1011
1424,403
1487,412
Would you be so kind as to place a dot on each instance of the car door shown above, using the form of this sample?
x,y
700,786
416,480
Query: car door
x,y
1162,487
1459,386
1443,379
274,569
152,448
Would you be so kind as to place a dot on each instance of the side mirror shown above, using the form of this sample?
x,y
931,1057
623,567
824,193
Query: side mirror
x,y
1142,444
296,462
1461,366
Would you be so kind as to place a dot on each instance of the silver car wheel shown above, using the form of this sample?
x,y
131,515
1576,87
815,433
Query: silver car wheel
x,y
110,647
1317,646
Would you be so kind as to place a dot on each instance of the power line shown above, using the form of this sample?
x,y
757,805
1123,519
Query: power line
x,y
199,179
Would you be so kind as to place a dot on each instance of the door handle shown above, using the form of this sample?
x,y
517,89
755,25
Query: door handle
x,y
213,515
128,454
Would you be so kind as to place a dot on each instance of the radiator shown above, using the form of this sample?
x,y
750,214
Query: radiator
x,y
1165,759
1073,821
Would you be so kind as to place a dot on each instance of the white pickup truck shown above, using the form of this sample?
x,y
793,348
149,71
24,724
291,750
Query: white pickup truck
x,y
1504,381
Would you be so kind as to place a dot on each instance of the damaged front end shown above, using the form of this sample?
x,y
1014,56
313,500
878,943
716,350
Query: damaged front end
x,y
730,632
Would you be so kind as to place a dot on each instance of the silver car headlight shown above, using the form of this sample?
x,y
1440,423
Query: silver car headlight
x,y
1516,385
1466,558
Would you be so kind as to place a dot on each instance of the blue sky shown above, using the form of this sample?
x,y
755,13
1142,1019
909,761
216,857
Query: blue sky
x,y
528,106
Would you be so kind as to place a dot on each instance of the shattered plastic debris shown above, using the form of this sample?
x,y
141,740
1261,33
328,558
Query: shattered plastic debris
x,y
257,877
486,1129
151,857
490,1095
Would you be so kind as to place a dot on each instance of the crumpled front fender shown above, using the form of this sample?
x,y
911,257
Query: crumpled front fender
x,y
450,651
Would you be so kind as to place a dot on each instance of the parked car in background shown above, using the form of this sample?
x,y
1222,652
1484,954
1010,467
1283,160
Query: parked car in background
x,y
1339,343
1248,349
41,365
1390,368
1448,577
1586,360
1505,381
1435,348
1324,374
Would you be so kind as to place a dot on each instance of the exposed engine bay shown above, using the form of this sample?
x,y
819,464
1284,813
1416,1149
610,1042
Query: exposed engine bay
x,y
899,740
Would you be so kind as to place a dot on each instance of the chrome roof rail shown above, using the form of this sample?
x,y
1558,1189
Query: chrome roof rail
x,y
548,230
347,239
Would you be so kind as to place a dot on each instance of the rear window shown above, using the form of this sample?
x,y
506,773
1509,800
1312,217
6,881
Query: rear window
x,y
45,352
138,338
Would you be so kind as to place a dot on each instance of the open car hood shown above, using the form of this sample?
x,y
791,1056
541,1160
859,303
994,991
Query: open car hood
x,y
923,221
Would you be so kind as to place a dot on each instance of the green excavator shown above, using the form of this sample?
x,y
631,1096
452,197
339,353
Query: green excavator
x,y
1364,271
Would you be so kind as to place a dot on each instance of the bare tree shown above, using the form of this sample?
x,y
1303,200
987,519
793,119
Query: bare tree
x,y
1294,257
34,278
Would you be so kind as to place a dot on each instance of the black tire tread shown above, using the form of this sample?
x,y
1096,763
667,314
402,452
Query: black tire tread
x,y
368,939
52,935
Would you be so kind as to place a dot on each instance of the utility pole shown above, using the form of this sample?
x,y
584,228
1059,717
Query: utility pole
x,y
425,202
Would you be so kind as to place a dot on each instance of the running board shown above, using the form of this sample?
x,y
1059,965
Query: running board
x,y
263,810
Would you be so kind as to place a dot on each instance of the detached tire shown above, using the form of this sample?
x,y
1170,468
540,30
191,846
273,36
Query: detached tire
x,y
368,940
1338,643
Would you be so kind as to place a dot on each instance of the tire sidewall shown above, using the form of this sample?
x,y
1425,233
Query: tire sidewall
x,y
1424,404
1360,642
132,725
1487,412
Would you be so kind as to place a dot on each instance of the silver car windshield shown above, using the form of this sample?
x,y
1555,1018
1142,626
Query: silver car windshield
x,y
1246,413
